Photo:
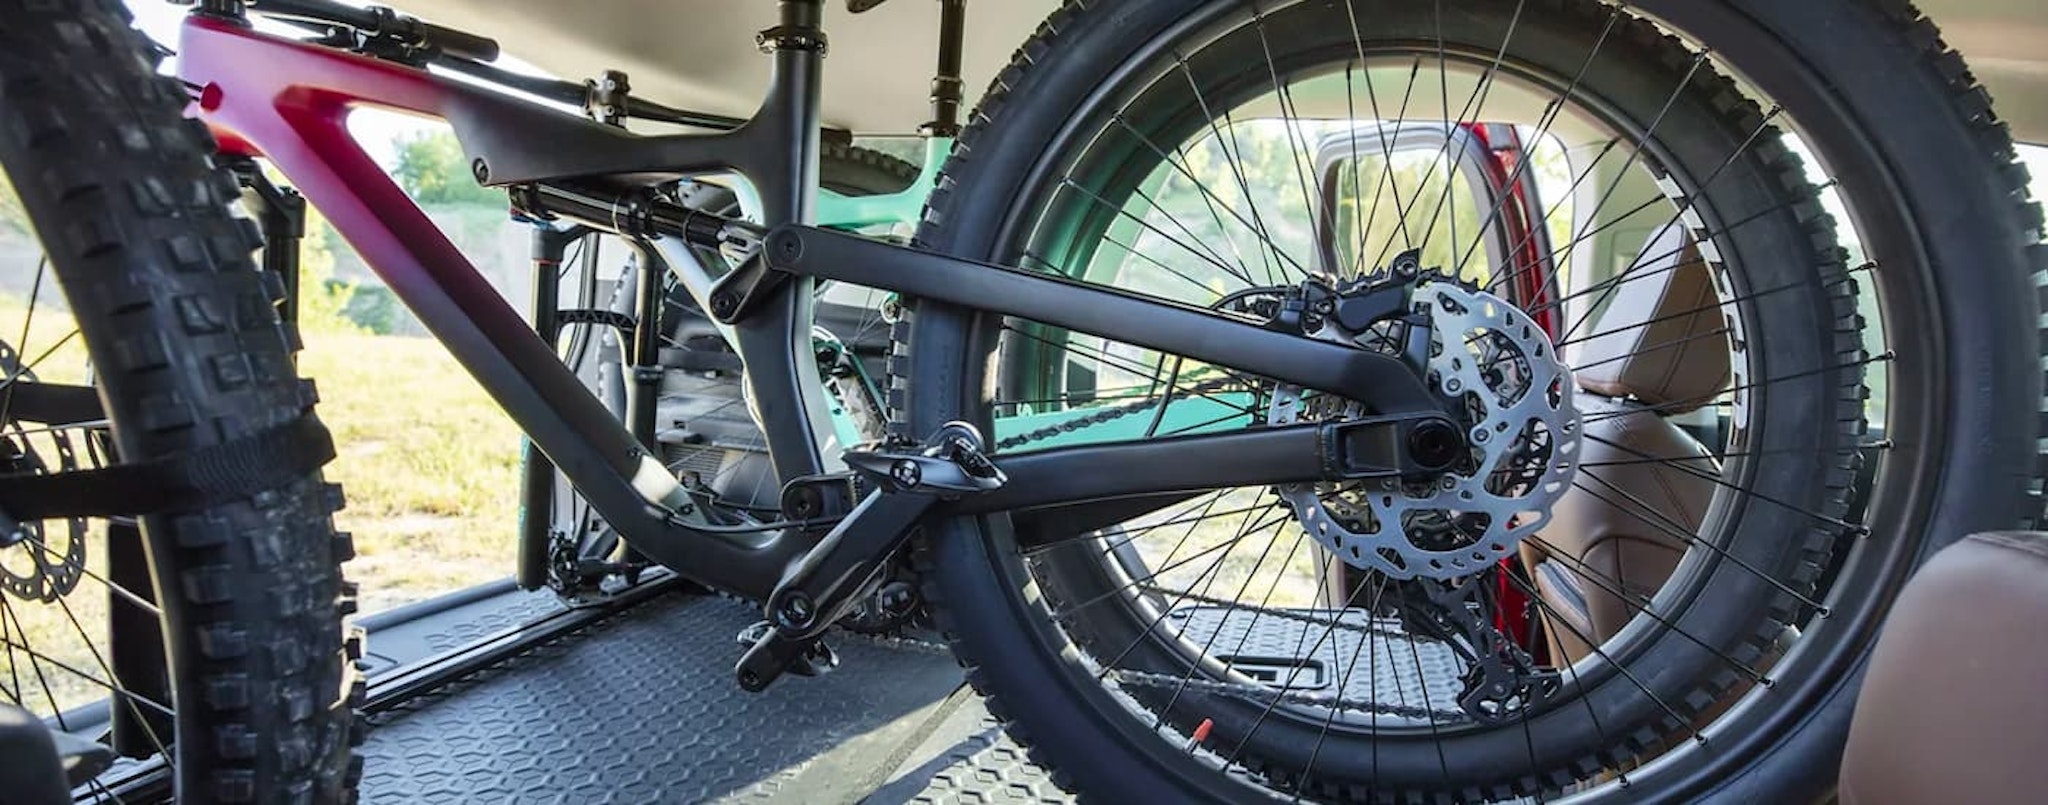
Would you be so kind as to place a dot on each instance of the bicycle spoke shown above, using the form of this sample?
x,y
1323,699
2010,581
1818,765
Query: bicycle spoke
x,y
1639,604
1719,332
1670,102
35,292
1882,357
1473,109
131,699
1857,529
1126,586
1594,645
1685,314
1235,603
1204,255
1386,143
1287,119
116,589
1209,573
1237,171
36,657
1210,201
1648,515
1103,356
1131,535
1551,111
35,665
1884,444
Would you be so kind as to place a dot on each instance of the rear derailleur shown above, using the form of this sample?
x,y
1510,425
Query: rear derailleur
x,y
827,583
1501,680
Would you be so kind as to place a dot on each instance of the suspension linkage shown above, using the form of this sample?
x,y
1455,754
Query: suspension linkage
x,y
827,582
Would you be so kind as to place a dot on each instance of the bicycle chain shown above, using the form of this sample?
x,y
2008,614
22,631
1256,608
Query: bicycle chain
x,y
1285,614
1112,413
1271,695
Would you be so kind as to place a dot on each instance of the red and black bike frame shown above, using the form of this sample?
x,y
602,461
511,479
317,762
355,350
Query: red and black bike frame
x,y
288,101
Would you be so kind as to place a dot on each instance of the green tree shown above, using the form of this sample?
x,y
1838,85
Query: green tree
x,y
323,300
433,170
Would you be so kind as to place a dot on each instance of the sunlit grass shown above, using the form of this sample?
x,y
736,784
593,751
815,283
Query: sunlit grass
x,y
429,463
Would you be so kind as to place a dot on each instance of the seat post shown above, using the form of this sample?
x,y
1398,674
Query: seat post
x,y
947,88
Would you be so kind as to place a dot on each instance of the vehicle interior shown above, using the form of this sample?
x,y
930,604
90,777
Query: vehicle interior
x,y
684,52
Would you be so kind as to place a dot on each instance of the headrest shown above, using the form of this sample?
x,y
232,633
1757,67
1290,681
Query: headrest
x,y
1662,339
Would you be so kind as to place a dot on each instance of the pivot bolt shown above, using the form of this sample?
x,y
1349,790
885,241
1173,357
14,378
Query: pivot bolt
x,y
795,612
724,303
787,247
1454,385
906,473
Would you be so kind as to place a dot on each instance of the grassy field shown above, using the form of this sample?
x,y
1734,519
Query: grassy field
x,y
429,464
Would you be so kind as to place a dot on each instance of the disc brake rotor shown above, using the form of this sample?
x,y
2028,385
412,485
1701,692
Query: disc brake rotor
x,y
39,561
1496,368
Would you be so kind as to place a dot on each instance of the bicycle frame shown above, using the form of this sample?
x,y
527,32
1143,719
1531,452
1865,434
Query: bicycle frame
x,y
287,101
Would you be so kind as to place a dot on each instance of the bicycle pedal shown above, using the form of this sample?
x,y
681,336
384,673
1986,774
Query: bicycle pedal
x,y
817,659
770,654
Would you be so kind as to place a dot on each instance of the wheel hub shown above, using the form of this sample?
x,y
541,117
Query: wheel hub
x,y
1501,378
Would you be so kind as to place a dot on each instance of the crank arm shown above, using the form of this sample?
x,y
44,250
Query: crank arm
x,y
826,582
1383,383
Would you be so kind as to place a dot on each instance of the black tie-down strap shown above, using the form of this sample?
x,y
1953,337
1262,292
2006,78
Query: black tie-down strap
x,y
202,478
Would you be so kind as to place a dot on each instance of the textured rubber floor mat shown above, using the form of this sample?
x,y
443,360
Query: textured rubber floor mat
x,y
642,708
1348,654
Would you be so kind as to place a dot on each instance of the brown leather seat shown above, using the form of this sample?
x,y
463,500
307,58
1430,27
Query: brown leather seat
x,y
1952,709
1655,352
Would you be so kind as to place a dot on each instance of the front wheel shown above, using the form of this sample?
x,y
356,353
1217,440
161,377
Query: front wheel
x,y
1790,388
205,643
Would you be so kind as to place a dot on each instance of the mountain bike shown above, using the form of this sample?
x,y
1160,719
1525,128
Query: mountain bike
x,y
1243,424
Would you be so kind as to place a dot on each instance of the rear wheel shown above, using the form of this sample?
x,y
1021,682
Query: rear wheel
x,y
1695,598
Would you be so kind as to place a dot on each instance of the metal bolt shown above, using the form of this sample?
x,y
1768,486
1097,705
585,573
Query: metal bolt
x,y
1433,445
1454,385
1480,435
480,170
795,612
788,247
724,303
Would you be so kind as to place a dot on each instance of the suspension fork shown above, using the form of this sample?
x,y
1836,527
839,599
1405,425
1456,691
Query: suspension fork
x,y
537,473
